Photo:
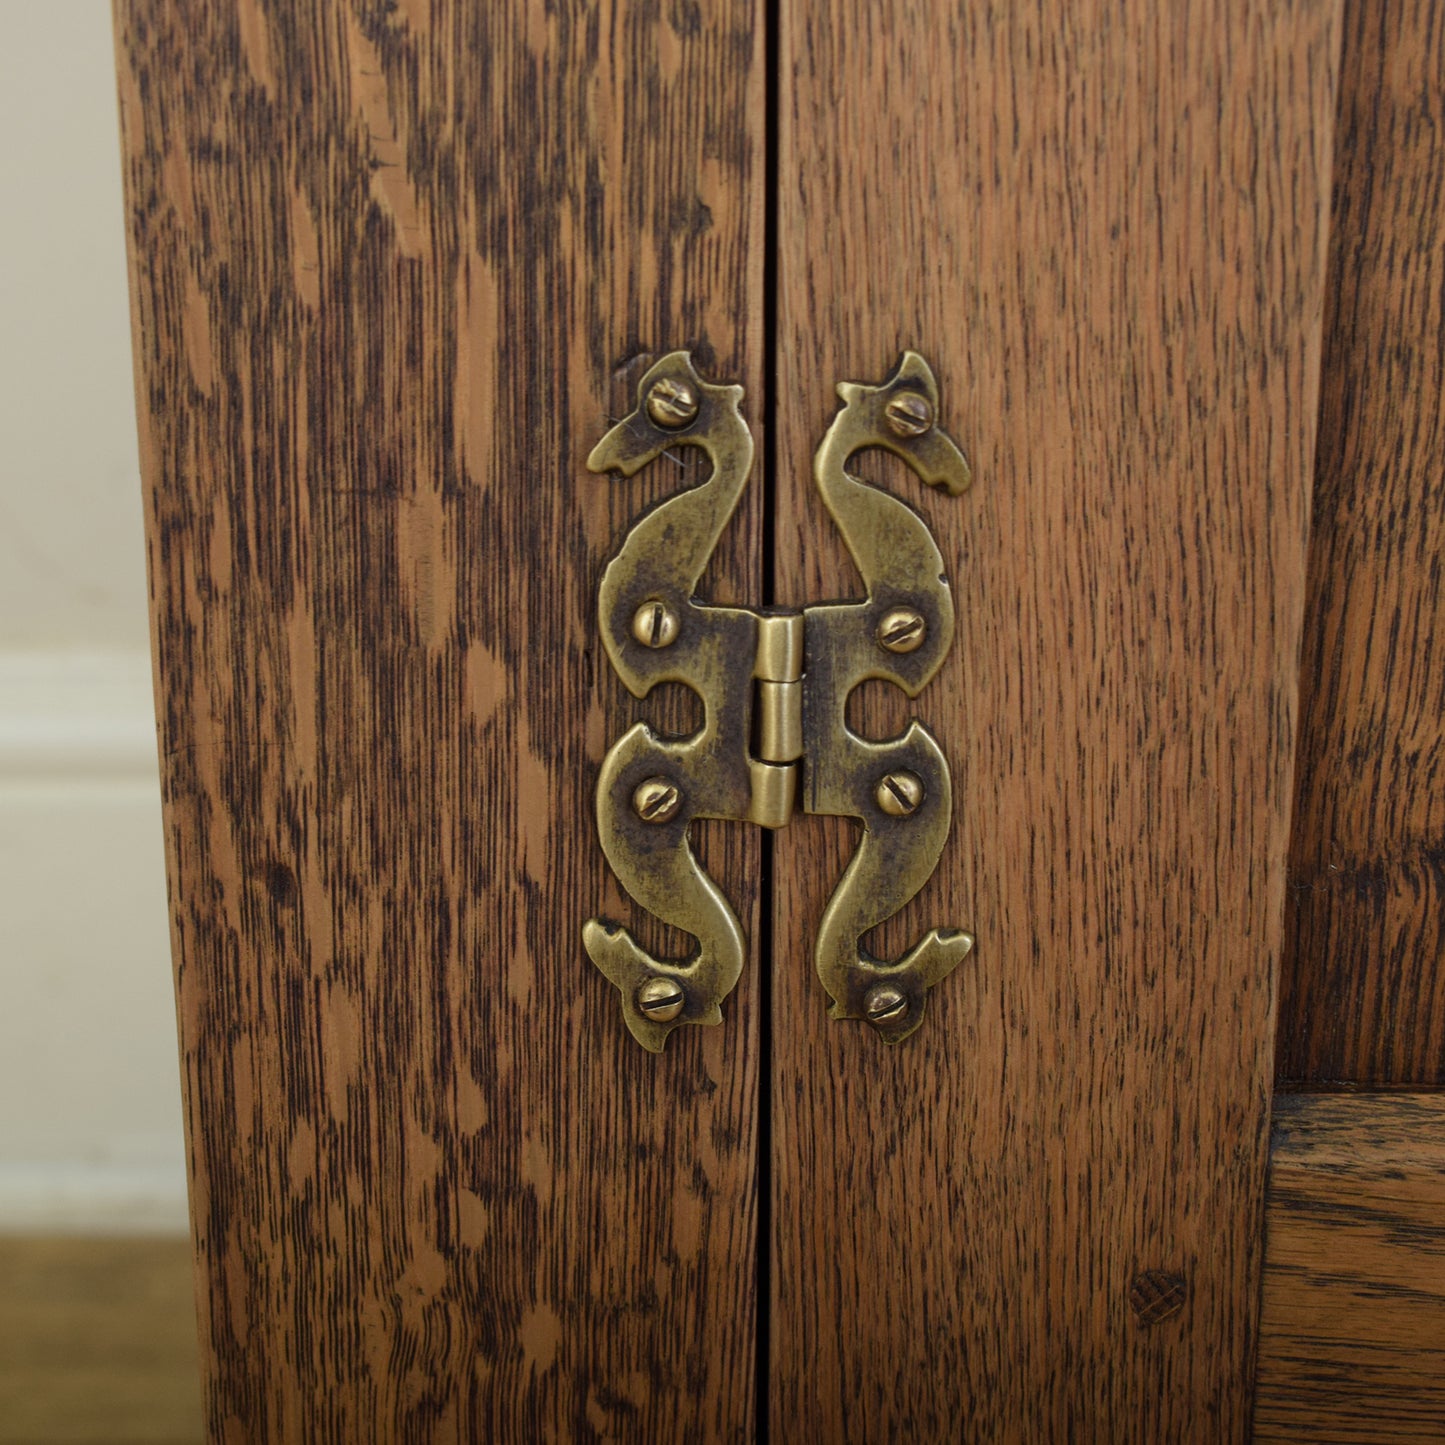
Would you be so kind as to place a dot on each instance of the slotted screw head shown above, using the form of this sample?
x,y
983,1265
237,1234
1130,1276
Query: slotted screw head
x,y
884,1003
656,800
655,624
909,414
661,999
900,793
671,404
901,630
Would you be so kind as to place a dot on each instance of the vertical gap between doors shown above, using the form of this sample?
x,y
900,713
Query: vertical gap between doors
x,y
764,1307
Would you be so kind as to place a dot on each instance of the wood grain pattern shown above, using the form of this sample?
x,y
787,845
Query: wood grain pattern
x,y
1104,225
393,266
1363,981
1352,1333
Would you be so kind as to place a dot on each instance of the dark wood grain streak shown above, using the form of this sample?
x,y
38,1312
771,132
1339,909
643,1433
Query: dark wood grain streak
x,y
1363,985
1352,1333
393,265
1104,224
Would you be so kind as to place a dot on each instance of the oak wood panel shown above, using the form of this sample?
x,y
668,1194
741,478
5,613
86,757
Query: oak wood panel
x,y
1363,983
1104,224
394,264
1352,1332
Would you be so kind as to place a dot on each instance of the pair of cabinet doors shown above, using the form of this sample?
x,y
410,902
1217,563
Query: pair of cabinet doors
x,y
397,265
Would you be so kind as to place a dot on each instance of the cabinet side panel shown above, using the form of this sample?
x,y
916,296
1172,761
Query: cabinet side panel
x,y
1352,1331
393,267
1105,226
1363,985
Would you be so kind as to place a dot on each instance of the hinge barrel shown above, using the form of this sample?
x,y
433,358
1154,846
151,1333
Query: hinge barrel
x,y
780,647
779,721
777,718
775,793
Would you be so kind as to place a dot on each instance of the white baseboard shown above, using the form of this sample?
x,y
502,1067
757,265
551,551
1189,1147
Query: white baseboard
x,y
73,716
90,1121
67,1197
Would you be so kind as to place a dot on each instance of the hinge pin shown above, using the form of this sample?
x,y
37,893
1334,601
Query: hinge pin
x,y
901,630
900,793
656,800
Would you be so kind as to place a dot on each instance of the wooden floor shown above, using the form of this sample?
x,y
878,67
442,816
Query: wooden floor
x,y
97,1342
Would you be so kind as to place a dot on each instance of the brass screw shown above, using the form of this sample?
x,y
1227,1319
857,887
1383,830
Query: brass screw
x,y
671,404
909,414
656,800
661,999
900,793
884,1003
901,630
655,624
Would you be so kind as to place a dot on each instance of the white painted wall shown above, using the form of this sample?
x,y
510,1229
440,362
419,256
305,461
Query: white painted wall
x,y
90,1126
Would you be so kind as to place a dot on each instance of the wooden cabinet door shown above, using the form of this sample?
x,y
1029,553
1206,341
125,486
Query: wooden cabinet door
x,y
396,266
1039,1218
393,266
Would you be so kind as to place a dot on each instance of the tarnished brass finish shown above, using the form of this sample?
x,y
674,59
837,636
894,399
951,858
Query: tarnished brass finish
x,y
908,414
775,793
900,793
884,1004
661,561
661,999
901,568
780,647
656,800
654,624
901,630
780,721
672,402
773,688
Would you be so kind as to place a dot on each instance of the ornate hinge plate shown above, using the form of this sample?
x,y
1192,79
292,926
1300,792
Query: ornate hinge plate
x,y
773,686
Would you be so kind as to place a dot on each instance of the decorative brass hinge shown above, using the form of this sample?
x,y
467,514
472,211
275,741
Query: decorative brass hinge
x,y
773,687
